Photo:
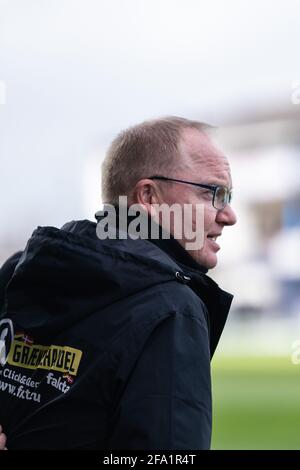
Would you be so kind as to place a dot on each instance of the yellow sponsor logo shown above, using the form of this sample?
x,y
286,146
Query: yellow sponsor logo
x,y
37,356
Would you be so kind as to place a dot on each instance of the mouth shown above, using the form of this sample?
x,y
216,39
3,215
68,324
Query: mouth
x,y
213,236
212,241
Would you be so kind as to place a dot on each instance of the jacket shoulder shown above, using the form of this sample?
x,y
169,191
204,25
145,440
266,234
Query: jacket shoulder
x,y
6,272
171,296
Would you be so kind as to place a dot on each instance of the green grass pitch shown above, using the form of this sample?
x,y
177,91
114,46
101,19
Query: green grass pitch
x,y
256,403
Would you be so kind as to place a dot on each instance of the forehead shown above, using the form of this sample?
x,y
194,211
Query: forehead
x,y
208,163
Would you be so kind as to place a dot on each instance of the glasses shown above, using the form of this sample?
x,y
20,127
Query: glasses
x,y
221,194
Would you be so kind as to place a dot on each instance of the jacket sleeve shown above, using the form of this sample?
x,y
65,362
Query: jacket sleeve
x,y
166,402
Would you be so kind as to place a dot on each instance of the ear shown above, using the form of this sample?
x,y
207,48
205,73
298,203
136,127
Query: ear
x,y
146,193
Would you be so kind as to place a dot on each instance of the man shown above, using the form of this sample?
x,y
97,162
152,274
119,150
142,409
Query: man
x,y
117,334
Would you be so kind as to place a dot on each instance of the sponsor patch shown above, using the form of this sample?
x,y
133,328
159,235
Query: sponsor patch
x,y
24,353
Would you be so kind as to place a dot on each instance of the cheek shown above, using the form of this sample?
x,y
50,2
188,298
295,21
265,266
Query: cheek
x,y
202,224
209,218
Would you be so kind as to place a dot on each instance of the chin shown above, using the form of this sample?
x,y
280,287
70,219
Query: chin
x,y
212,264
207,260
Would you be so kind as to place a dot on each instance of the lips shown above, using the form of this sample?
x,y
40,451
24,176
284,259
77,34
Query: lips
x,y
213,236
212,243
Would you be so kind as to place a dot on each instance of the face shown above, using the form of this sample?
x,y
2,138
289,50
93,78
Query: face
x,y
204,164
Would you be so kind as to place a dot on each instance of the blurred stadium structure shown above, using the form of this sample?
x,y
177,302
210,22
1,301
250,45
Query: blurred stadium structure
x,y
260,260
265,157
256,384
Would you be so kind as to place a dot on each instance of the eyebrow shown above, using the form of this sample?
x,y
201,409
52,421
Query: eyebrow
x,y
214,183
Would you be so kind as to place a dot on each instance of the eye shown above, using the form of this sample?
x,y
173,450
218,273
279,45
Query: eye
x,y
207,193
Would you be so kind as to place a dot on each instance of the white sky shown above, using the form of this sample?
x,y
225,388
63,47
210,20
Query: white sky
x,y
77,71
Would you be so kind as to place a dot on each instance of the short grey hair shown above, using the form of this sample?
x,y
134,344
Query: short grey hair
x,y
141,151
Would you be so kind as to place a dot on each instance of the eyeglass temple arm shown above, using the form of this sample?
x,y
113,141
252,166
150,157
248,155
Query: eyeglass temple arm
x,y
207,186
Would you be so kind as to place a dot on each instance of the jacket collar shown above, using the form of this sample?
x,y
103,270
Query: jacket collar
x,y
216,300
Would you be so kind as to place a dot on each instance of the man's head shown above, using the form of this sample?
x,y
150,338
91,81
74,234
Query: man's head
x,y
175,148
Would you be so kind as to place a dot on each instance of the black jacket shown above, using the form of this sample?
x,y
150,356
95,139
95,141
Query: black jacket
x,y
106,344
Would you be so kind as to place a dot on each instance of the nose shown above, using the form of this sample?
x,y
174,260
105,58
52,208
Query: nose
x,y
226,216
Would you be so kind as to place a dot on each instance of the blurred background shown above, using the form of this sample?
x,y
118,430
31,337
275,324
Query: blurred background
x,y
73,73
